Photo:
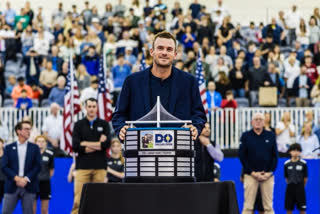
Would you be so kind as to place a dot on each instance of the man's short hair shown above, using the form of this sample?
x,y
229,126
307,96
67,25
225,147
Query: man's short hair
x,y
166,35
295,147
19,125
91,99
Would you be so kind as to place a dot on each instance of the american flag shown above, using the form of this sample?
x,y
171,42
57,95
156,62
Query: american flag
x,y
71,108
143,64
201,82
104,98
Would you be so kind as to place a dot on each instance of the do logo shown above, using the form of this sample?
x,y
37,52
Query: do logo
x,y
166,138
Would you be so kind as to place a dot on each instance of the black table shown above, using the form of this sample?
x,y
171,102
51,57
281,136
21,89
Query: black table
x,y
159,198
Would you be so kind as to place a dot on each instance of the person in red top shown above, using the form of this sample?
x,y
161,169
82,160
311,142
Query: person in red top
x,y
16,91
229,102
312,72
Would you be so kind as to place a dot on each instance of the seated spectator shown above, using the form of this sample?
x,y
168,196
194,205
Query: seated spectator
x,y
229,101
219,67
284,131
109,49
91,91
27,39
223,84
214,98
41,43
267,122
211,57
302,86
125,42
227,59
188,39
58,92
275,30
48,79
23,102
119,72
129,57
37,92
312,71
10,85
267,46
238,76
250,35
16,91
225,32
115,163
82,77
309,142
309,117
315,95
90,59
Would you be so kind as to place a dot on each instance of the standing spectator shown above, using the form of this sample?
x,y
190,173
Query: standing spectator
x,y
27,38
206,152
52,128
302,86
33,61
23,102
41,43
227,59
57,93
225,32
312,71
48,79
285,131
91,137
47,169
214,98
302,33
272,79
16,91
238,76
9,14
188,39
119,72
90,59
195,8
58,15
292,19
275,30
212,57
291,72
2,176
309,142
115,163
250,35
23,18
258,155
21,172
296,175
56,60
314,33
119,9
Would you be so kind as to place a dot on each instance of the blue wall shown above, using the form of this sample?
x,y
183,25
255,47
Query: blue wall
x,y
62,191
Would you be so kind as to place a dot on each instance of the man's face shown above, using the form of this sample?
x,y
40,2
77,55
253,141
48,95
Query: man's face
x,y
303,70
91,108
211,86
295,153
164,52
257,122
25,131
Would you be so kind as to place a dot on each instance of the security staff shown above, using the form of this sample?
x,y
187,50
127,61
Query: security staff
x,y
90,139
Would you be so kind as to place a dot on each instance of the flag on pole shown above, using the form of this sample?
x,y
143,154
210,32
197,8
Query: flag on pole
x,y
71,108
201,83
143,64
104,97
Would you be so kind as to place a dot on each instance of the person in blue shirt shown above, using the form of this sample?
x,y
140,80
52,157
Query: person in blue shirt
x,y
188,39
214,98
120,72
57,93
178,90
259,157
23,102
90,59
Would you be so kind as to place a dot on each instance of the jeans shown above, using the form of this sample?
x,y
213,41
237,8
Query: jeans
x,y
240,92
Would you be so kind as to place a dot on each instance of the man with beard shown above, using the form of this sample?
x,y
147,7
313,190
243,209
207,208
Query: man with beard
x,y
178,90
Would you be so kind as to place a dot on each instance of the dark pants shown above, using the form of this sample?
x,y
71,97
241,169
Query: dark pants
x,y
10,201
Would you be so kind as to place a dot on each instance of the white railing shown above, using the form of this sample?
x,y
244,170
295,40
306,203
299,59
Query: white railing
x,y
227,125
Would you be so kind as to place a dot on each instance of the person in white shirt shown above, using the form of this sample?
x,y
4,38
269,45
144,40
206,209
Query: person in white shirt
x,y
90,92
52,125
291,72
309,142
284,131
292,20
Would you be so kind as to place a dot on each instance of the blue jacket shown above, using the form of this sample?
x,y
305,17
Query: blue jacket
x,y
26,100
258,152
10,167
119,74
217,99
184,102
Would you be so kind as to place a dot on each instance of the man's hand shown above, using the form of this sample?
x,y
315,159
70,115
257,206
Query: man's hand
x,y
265,175
194,131
20,182
103,138
123,132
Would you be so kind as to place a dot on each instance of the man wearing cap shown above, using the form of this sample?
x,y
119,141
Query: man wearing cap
x,y
16,92
259,157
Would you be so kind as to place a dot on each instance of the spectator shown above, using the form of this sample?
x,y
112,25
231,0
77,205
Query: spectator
x,y
82,77
188,39
37,92
58,15
194,8
267,47
309,117
120,72
90,138
267,122
275,30
302,33
4,131
285,131
125,42
219,67
10,85
23,102
115,163
211,57
41,43
291,72
58,92
23,18
314,33
56,60
48,79
207,152
223,84
292,19
272,79
119,9
250,35
21,182
33,61
296,175
52,129
90,59
9,14
309,142
226,31
16,91
312,71
214,98
2,176
34,131
302,86
238,76
47,170
258,155
91,91
229,101
129,58
227,59
95,40
27,39
315,94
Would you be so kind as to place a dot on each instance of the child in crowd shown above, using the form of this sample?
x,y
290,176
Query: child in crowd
x,y
296,175
24,102
115,164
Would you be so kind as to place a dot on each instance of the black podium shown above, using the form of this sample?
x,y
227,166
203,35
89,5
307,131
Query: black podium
x,y
159,198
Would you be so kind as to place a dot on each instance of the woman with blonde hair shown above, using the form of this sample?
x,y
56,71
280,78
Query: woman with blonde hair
x,y
115,163
284,132
309,142
315,94
83,77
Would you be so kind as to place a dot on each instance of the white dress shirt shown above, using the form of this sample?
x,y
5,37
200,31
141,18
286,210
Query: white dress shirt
x,y
53,125
22,154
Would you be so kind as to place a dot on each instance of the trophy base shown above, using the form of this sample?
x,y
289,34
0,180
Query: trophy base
x,y
145,179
